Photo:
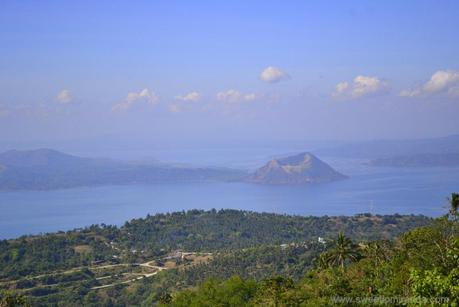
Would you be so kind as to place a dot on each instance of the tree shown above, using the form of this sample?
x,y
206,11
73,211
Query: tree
x,y
165,298
454,206
436,284
343,250
377,251
322,262
9,299
272,291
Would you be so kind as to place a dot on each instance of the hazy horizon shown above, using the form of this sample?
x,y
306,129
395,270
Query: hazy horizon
x,y
137,75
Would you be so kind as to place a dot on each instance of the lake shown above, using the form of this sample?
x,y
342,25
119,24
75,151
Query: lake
x,y
369,189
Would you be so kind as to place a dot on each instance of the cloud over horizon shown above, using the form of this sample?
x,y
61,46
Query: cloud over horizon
x,y
192,96
273,75
441,81
144,96
64,97
234,96
359,87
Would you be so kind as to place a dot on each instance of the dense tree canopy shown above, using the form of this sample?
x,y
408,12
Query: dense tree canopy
x,y
420,268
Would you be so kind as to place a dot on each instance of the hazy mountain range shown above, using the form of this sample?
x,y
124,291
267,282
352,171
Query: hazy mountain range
x,y
50,169
420,160
390,148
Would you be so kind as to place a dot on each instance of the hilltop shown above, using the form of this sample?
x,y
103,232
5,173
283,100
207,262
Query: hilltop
x,y
304,168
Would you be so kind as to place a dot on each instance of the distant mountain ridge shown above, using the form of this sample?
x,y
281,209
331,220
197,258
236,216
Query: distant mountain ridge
x,y
421,160
50,169
389,148
303,168
43,157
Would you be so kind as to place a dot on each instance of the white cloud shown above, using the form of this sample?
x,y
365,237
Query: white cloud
x,y
250,97
440,81
229,95
64,97
234,96
193,96
411,93
360,86
144,96
272,75
341,87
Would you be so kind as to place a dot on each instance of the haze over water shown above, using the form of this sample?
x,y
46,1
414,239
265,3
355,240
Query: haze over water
x,y
369,189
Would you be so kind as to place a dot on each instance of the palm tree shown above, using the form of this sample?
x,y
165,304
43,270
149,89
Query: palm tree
x,y
342,251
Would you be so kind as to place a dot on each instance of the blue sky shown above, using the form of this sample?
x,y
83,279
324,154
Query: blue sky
x,y
147,71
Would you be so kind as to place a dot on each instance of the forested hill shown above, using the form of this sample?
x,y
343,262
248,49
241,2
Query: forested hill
x,y
117,266
195,230
211,230
420,268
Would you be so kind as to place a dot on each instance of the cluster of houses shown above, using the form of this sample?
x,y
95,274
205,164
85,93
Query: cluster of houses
x,y
302,244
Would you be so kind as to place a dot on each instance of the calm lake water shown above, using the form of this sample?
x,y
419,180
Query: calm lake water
x,y
369,189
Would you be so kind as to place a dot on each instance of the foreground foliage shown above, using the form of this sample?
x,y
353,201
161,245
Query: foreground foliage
x,y
421,268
